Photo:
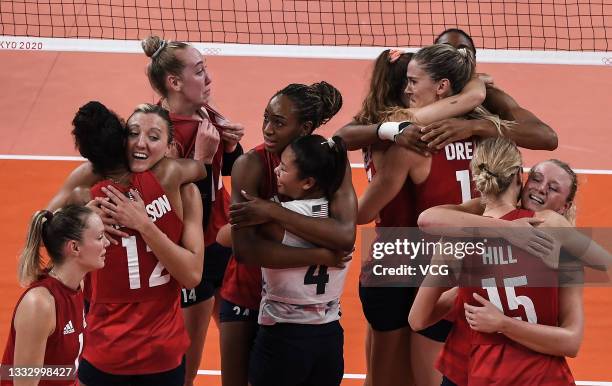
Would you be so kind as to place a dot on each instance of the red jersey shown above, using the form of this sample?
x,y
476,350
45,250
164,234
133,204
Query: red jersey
x,y
506,276
65,344
399,212
135,322
242,283
185,129
454,356
449,180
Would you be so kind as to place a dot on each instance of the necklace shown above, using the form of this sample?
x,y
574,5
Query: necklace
x,y
55,275
120,180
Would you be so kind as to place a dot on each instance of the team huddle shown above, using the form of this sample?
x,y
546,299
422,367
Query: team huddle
x,y
145,244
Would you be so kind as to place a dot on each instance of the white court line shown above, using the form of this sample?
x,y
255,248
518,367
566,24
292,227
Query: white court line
x,y
362,376
218,372
26,157
577,171
39,157
24,43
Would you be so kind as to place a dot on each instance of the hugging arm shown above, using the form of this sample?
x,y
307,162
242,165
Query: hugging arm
x,y
249,246
528,131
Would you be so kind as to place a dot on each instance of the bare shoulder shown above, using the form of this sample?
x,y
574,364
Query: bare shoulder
x,y
36,305
249,163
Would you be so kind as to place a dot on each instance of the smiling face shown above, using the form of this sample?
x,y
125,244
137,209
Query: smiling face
x,y
288,178
147,141
195,82
280,124
92,247
547,187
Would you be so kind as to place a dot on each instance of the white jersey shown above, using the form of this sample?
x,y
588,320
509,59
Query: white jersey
x,y
305,295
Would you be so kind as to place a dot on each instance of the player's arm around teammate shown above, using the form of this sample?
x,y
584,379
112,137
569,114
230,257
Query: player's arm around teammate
x,y
361,134
184,261
251,247
528,131
337,232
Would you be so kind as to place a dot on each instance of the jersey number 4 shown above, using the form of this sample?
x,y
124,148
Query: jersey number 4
x,y
320,279
155,279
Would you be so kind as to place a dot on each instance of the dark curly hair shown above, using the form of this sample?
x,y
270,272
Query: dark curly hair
x,y
99,135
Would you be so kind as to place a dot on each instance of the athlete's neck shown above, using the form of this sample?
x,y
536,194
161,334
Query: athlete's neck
x,y
311,194
176,104
502,204
119,176
69,277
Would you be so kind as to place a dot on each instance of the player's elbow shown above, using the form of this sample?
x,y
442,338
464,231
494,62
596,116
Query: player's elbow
x,y
572,346
427,219
346,238
477,97
416,323
192,280
552,141
245,253
192,277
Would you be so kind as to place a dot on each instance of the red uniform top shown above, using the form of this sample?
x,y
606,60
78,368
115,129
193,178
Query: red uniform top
x,y
450,179
185,129
135,322
507,276
399,212
65,344
454,356
242,283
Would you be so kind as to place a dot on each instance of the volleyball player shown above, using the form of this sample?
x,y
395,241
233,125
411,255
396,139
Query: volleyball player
x,y
528,130
386,308
48,323
550,319
179,74
294,111
300,340
434,73
128,301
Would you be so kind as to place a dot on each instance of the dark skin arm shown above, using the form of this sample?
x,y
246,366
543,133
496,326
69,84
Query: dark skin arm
x,y
357,136
529,131
337,232
249,246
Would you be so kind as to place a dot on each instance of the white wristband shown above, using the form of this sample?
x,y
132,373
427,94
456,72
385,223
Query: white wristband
x,y
388,130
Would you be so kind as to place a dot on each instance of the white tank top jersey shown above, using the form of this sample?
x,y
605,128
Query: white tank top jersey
x,y
305,295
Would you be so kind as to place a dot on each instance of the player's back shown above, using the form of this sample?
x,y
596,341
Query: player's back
x,y
449,180
523,287
136,326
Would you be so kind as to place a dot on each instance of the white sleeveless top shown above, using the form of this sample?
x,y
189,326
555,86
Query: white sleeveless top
x,y
305,295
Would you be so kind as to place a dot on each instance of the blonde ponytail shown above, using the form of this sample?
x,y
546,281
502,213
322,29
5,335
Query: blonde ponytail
x,y
29,267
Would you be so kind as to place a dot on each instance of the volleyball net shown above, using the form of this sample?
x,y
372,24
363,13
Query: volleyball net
x,y
578,29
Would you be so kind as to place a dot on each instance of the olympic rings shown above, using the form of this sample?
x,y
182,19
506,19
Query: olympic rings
x,y
211,51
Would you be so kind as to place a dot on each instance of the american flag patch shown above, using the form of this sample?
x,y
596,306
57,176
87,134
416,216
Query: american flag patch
x,y
320,210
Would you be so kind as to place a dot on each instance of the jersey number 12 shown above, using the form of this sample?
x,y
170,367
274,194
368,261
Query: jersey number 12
x,y
156,278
